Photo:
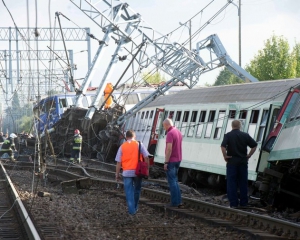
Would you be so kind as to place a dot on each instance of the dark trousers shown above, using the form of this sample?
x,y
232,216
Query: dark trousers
x,y
75,155
237,178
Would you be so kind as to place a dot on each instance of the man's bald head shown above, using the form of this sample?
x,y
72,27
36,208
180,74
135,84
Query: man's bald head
x,y
167,123
236,124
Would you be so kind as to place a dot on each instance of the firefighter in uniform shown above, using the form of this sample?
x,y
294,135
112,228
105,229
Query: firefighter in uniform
x,y
8,146
76,149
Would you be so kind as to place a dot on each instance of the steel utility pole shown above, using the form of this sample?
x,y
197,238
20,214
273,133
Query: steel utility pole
x,y
240,31
190,33
240,34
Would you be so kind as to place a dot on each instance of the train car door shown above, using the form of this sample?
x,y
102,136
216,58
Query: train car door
x,y
267,123
280,119
158,118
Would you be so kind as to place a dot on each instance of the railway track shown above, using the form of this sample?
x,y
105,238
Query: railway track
x,y
250,220
15,222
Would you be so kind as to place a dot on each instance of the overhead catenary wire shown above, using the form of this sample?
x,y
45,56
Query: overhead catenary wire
x,y
27,42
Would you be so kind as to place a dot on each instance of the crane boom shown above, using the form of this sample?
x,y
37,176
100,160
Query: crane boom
x,y
128,27
216,57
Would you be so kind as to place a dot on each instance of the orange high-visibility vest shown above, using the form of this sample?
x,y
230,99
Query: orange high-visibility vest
x,y
108,89
129,157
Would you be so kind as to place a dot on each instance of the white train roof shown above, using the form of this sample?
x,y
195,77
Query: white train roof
x,y
246,92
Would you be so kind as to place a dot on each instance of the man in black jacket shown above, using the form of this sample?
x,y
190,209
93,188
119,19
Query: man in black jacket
x,y
234,150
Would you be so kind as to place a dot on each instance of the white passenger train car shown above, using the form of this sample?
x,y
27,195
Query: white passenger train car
x,y
204,115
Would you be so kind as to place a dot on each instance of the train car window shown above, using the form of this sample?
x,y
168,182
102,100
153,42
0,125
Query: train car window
x,y
166,114
231,117
201,124
192,125
49,105
177,119
295,107
171,115
145,125
220,123
63,103
141,127
133,122
136,121
262,125
210,123
243,114
273,120
184,122
253,122
151,114
290,107
150,121
159,126
242,118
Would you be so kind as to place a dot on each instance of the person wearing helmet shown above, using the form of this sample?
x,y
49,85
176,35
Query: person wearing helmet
x,y
76,148
8,146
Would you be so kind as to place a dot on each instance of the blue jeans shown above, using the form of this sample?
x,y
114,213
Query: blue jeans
x,y
172,174
237,177
132,187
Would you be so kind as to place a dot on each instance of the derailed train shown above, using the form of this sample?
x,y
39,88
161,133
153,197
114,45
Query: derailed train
x,y
268,110
59,115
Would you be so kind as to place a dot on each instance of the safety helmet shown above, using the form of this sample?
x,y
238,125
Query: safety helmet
x,y
12,135
76,131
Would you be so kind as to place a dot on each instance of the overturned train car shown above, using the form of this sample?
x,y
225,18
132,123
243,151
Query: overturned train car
x,y
269,112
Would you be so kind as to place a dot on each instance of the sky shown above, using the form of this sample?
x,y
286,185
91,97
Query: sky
x,y
259,20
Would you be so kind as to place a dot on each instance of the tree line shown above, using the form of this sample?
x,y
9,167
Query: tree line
x,y
275,61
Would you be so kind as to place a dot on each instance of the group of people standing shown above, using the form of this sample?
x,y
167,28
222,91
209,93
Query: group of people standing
x,y
233,147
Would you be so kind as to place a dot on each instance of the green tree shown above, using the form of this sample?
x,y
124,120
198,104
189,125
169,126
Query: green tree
x,y
296,56
153,78
15,103
274,61
226,77
25,123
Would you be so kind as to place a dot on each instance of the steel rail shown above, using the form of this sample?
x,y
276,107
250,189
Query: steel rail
x,y
194,208
30,229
